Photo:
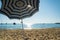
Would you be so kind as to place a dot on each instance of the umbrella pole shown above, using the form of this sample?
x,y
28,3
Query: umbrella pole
x,y
22,31
22,24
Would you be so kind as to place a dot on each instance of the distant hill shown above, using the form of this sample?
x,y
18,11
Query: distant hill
x,y
57,23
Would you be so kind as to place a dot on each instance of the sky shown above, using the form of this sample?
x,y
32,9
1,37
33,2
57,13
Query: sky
x,y
49,12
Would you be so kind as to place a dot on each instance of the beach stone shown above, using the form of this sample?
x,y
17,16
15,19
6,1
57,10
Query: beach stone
x,y
34,34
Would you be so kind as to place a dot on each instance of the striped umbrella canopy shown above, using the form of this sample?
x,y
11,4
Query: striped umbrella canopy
x,y
19,9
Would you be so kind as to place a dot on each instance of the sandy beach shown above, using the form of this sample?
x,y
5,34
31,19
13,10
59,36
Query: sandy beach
x,y
34,34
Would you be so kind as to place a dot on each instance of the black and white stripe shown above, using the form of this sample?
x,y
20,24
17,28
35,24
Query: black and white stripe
x,y
19,8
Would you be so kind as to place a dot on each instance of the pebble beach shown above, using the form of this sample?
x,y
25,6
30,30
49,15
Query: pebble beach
x,y
33,34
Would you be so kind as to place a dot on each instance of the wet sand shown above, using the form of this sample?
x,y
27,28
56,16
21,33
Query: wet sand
x,y
34,34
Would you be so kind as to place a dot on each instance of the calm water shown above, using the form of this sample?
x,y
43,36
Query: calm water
x,y
11,26
34,26
49,25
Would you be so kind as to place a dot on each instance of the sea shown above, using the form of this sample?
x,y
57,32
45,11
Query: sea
x,y
33,26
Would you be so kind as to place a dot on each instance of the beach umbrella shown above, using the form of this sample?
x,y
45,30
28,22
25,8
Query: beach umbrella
x,y
19,9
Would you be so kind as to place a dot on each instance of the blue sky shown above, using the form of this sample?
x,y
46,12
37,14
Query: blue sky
x,y
49,12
